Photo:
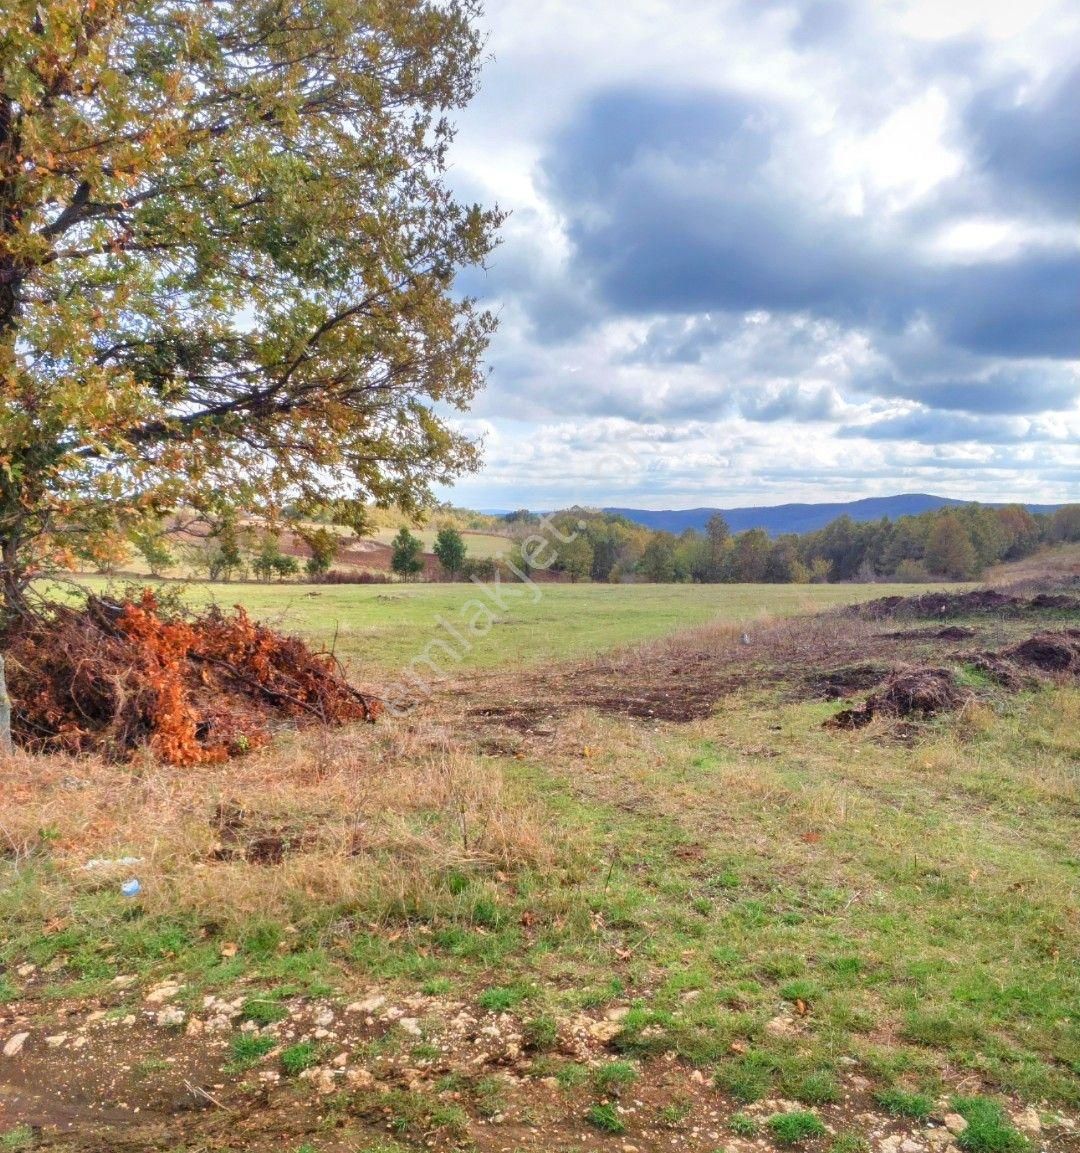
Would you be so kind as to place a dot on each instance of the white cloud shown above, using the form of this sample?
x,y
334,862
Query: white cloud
x,y
590,402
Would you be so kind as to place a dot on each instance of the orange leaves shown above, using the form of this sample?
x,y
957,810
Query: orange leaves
x,y
114,678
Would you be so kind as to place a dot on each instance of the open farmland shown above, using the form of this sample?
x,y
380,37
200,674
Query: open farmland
x,y
639,897
378,629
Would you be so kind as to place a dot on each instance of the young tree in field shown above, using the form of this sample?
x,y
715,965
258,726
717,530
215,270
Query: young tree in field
x,y
323,543
450,549
224,554
407,558
227,261
658,560
949,548
576,557
718,542
271,562
151,542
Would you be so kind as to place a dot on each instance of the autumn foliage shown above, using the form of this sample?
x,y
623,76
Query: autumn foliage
x,y
111,678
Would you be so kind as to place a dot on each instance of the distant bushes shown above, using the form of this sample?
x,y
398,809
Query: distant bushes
x,y
958,543
341,577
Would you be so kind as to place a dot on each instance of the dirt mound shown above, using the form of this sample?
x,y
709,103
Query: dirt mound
x,y
111,678
1050,652
914,693
974,603
949,633
939,605
1055,601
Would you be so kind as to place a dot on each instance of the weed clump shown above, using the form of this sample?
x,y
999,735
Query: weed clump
x,y
605,1117
988,1129
796,1127
917,1106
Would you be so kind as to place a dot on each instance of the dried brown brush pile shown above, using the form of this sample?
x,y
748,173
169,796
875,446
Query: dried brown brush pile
x,y
111,678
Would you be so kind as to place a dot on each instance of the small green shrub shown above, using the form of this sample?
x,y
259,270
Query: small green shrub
x,y
819,1088
606,1118
915,1105
743,1125
263,1010
792,1128
988,1128
571,1075
542,1032
21,1137
745,1082
674,1115
849,1143
296,1058
500,998
248,1049
614,1076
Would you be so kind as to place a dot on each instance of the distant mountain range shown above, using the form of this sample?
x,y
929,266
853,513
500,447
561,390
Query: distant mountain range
x,y
781,518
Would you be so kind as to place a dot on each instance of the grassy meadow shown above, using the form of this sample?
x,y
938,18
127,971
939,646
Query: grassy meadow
x,y
380,628
746,931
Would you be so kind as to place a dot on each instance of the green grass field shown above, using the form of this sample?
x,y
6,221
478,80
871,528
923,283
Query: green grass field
x,y
701,918
383,627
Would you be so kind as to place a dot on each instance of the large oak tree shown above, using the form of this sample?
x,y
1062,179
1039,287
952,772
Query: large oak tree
x,y
227,260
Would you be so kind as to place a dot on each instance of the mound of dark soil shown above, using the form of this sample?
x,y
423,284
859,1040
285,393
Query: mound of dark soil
x,y
949,633
1055,601
1050,652
1003,672
111,678
939,605
912,693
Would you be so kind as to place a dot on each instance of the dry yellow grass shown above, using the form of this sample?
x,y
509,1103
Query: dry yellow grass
x,y
361,819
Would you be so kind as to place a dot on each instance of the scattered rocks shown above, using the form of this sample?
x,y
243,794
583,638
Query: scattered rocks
x,y
1028,1121
14,1044
56,1040
369,1005
172,1016
161,993
955,1123
781,1026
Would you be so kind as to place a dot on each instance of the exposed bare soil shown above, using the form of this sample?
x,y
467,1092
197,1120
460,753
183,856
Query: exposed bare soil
x,y
832,656
148,1075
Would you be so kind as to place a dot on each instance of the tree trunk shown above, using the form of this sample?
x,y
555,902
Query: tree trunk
x,y
5,713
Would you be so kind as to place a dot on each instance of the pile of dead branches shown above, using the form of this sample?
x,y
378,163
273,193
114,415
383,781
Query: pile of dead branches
x,y
111,678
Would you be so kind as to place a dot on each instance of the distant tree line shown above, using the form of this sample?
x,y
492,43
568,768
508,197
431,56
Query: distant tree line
x,y
958,542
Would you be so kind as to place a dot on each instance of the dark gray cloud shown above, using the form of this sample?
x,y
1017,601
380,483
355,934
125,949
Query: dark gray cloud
x,y
1031,145
942,428
672,206
1010,390
681,204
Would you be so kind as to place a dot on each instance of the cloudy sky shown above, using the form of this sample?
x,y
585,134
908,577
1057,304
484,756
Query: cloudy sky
x,y
766,251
